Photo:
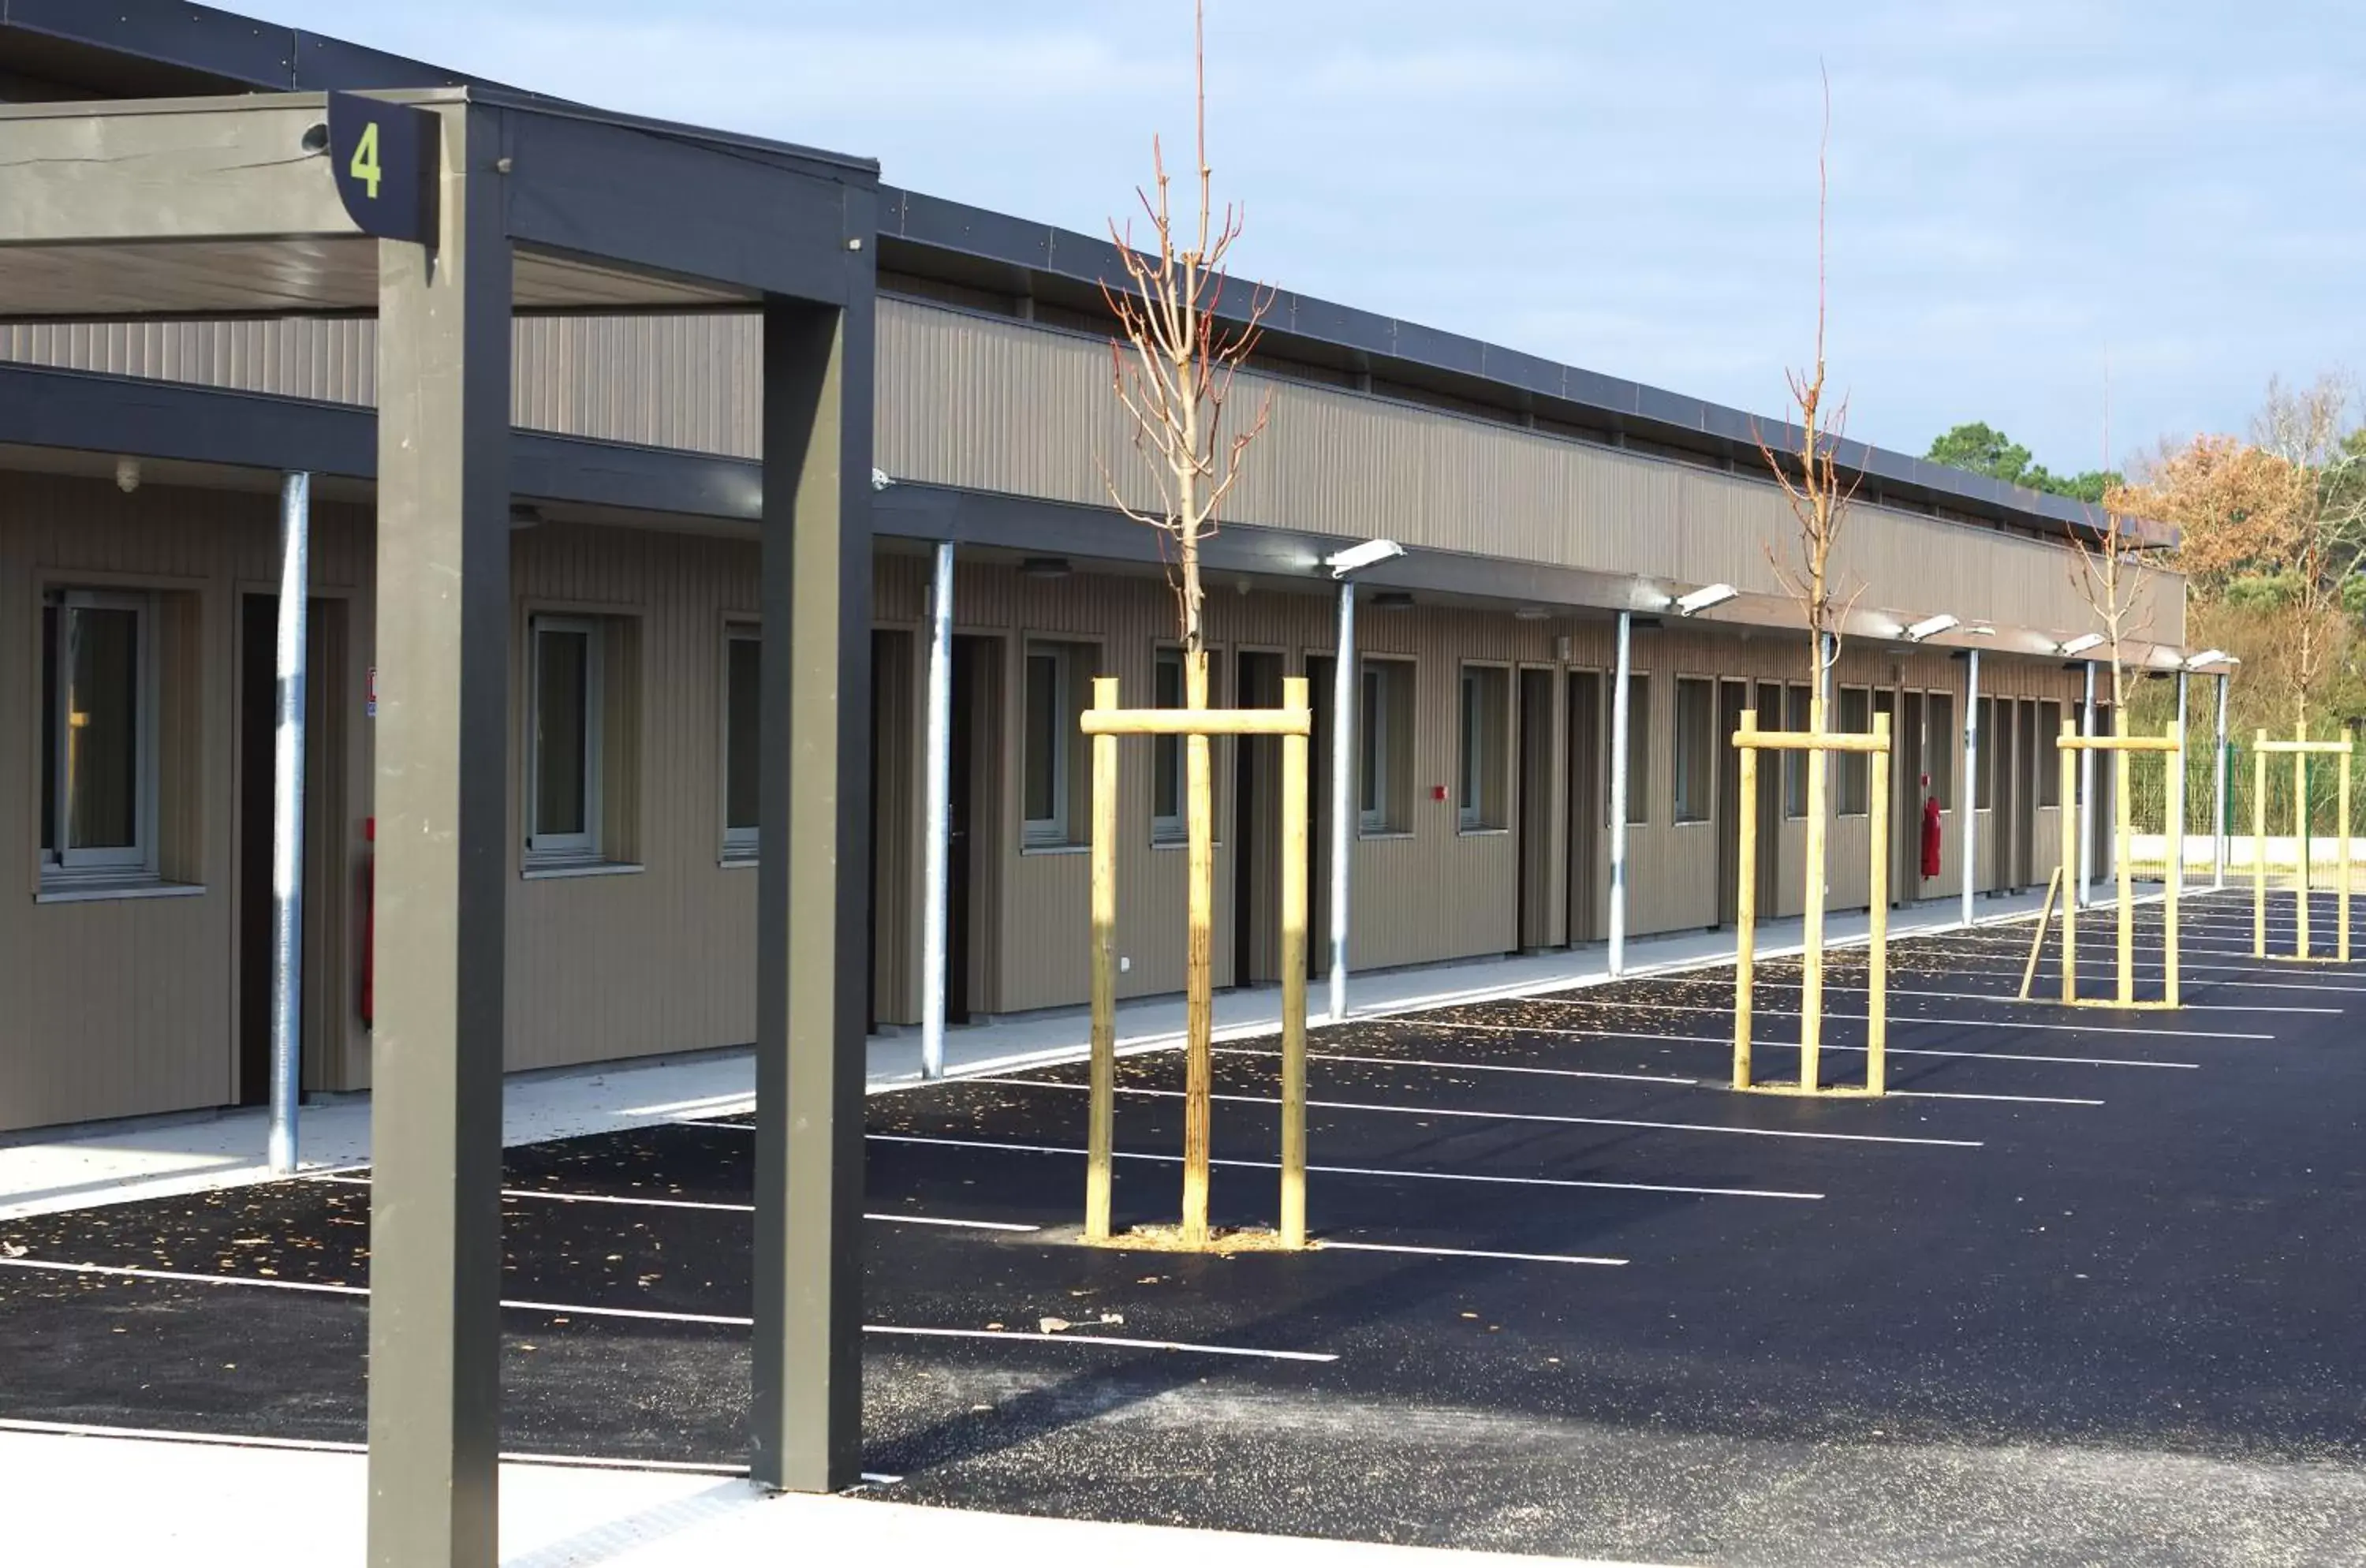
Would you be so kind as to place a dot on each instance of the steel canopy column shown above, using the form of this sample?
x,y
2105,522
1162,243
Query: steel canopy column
x,y
443,863
1343,717
287,822
937,816
1619,796
2178,762
1970,793
812,895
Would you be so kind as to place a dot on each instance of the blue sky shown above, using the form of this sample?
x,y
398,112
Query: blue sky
x,y
2022,194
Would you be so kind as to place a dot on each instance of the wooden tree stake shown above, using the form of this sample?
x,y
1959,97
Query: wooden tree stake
x,y
1101,1134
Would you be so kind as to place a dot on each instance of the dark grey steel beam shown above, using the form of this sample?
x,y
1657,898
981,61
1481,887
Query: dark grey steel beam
x,y
811,905
675,200
130,417
443,863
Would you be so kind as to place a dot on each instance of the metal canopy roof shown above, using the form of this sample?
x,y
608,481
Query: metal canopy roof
x,y
217,206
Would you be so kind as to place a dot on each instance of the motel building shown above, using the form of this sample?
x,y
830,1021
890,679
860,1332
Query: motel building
x,y
1542,510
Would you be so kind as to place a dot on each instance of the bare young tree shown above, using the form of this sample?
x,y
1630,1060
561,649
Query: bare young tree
x,y
1819,494
2109,572
1172,371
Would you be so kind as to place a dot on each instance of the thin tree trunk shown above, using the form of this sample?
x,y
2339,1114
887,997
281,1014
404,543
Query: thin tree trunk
x,y
1199,1064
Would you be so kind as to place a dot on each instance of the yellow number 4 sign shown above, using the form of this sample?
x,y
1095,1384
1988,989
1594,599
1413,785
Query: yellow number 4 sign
x,y
384,157
365,166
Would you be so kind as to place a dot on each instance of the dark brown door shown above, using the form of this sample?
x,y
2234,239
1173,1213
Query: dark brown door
x,y
1732,697
1535,816
961,813
1586,809
1256,831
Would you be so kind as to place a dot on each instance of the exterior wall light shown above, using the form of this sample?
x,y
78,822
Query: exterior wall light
x,y
1700,599
2080,644
1930,627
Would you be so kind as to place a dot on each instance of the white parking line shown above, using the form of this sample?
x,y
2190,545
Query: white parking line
x,y
1328,1245
1373,1171
2010,1099
1727,1042
1897,1021
727,1208
712,1319
1522,1116
2013,1023
332,1445
1462,1066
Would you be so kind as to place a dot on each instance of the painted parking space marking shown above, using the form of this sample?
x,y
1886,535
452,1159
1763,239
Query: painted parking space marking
x,y
1521,1116
1375,1172
627,1201
1461,1067
1727,1040
1327,1244
1904,1021
648,1314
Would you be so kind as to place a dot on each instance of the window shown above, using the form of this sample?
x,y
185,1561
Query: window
x,y
1795,764
1696,748
1058,681
743,685
98,737
1939,748
1168,782
2049,754
1638,754
1855,776
1383,746
564,792
1479,795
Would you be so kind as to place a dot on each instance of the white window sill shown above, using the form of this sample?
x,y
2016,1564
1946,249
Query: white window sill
x,y
1383,835
1055,849
551,870
78,891
742,861
1481,830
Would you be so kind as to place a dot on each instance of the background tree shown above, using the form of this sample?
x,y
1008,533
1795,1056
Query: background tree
x,y
1983,449
1173,373
2324,527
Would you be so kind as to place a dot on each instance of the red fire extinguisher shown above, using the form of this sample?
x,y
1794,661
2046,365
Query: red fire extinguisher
x,y
369,923
1929,831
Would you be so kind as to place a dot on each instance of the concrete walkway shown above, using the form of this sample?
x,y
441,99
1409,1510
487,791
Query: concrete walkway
x,y
203,1505
163,1158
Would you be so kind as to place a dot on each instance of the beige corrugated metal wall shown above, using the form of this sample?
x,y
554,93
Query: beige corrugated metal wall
x,y
118,1006
986,404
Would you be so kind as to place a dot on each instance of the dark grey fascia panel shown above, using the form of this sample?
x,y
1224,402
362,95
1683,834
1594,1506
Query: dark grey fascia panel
x,y
77,410
199,47
770,221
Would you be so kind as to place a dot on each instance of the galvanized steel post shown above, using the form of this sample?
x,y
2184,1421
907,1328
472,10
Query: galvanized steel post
x,y
1971,803
287,823
1619,796
1342,796
2218,823
937,814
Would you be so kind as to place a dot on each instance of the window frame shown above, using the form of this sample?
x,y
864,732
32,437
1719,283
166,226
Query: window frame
x,y
2049,753
1940,748
1679,754
1799,714
1389,816
1168,756
1855,774
1639,746
582,847
741,843
60,865
1056,831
